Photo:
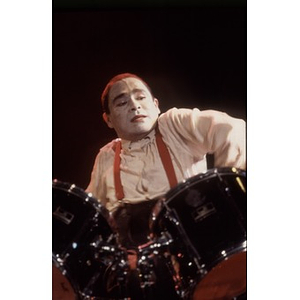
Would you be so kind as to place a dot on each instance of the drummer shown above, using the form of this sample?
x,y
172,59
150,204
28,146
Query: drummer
x,y
155,151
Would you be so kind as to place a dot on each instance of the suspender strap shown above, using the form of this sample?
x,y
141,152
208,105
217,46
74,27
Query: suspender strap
x,y
164,156
117,173
166,159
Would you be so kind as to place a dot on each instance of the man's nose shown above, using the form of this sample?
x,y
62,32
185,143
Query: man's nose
x,y
134,104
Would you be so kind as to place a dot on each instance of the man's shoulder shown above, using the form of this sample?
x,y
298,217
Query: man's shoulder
x,y
106,153
110,147
176,113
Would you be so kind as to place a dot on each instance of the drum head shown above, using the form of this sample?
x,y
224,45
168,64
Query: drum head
x,y
225,281
62,289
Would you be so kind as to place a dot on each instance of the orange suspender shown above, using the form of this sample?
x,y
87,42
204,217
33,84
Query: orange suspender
x,y
164,156
117,173
166,159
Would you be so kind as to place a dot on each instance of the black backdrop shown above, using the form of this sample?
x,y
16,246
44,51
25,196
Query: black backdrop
x,y
191,56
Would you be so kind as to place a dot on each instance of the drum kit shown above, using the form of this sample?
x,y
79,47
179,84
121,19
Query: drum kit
x,y
197,229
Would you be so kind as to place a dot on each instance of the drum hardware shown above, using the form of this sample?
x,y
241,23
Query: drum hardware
x,y
115,258
146,256
146,274
155,256
119,263
104,246
156,245
116,264
59,263
63,215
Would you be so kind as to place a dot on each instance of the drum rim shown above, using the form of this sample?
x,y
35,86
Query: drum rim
x,y
202,176
72,188
75,190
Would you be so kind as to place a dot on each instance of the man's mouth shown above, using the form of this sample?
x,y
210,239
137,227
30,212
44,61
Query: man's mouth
x,y
138,118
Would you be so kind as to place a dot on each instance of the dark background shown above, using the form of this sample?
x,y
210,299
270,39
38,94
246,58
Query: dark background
x,y
191,53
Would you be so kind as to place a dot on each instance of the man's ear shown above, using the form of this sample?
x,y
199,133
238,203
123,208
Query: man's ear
x,y
106,118
156,102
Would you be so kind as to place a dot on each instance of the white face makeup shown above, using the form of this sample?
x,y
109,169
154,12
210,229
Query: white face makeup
x,y
133,110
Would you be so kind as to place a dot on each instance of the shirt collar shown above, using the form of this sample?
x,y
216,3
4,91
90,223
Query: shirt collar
x,y
132,145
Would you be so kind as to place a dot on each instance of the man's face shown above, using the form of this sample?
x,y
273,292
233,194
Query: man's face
x,y
133,110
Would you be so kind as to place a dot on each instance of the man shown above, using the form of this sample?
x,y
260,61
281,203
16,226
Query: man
x,y
154,152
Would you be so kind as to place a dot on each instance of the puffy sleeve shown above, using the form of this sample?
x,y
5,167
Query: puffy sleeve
x,y
93,186
102,166
209,131
226,138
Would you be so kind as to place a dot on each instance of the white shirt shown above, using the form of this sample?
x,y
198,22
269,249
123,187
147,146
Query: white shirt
x,y
189,136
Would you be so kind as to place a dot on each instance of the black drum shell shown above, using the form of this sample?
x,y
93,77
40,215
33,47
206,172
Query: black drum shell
x,y
79,223
206,216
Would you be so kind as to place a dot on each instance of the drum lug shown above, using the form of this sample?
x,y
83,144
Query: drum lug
x,y
146,273
111,255
171,218
60,261
63,215
156,245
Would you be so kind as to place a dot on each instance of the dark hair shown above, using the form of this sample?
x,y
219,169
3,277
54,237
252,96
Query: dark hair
x,y
104,96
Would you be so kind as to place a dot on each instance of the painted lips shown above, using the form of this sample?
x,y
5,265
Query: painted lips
x,y
138,118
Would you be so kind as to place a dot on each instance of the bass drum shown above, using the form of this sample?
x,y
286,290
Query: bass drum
x,y
84,246
205,218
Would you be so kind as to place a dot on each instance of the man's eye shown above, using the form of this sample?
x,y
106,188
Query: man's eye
x,y
121,103
140,97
